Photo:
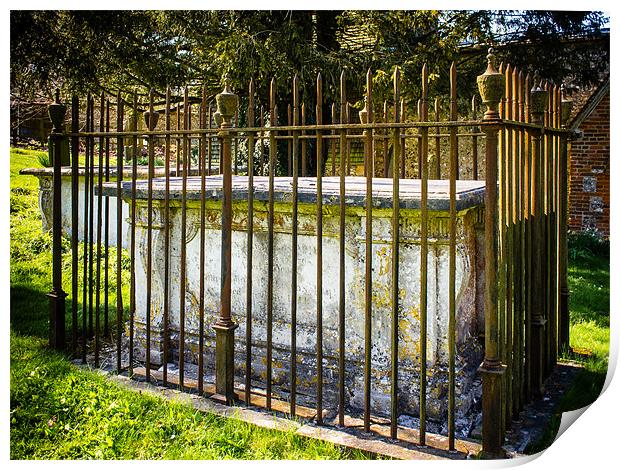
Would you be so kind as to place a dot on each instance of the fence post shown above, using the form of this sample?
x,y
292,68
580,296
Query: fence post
x,y
538,103
491,87
225,327
57,296
564,327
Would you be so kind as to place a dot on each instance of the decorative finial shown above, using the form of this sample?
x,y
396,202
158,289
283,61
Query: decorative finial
x,y
567,106
364,112
227,102
538,99
226,82
491,85
491,60
57,112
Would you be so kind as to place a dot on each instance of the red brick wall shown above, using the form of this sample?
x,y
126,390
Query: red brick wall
x,y
589,173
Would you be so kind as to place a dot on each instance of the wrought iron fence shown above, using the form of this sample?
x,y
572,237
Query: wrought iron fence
x,y
119,251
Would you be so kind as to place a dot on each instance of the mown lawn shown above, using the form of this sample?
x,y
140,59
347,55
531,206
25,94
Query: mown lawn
x,y
59,411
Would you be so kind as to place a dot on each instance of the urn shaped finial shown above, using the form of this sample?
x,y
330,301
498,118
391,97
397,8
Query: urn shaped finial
x,y
567,106
364,112
57,112
538,99
226,103
491,87
151,120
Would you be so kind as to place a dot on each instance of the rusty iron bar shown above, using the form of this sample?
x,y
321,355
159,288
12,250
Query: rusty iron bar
x,y
336,127
386,160
132,251
304,143
423,172
209,141
85,232
437,140
183,257
227,105
347,120
333,141
452,264
250,245
319,252
537,97
294,230
57,295
99,224
201,261
91,223
528,238
261,141
474,137
178,140
501,234
235,142
106,235
341,257
366,115
521,207
289,141
395,263
150,124
273,118
419,137
517,239
75,149
119,234
403,142
508,205
492,369
166,286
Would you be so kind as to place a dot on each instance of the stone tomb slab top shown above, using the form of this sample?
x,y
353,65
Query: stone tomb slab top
x,y
468,193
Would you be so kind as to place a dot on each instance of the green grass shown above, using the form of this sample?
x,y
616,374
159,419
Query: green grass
x,y
588,279
59,411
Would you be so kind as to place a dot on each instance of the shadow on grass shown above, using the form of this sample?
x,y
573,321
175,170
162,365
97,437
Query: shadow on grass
x,y
29,311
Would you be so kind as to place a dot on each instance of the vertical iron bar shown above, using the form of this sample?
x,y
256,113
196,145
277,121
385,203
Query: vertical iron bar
x,y
474,138
423,170
75,155
386,160
319,252
119,231
452,262
132,254
333,142
201,261
183,260
106,236
227,105
273,119
395,260
341,239
492,370
85,232
250,241
91,222
150,125
99,224
368,118
294,215
437,140
57,295
166,308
